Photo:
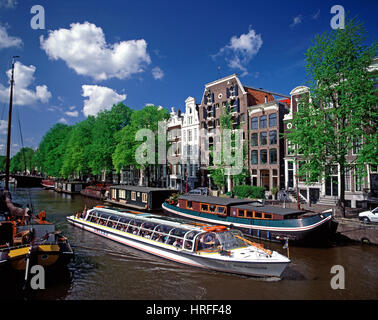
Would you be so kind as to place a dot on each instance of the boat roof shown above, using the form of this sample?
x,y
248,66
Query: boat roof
x,y
174,222
140,188
268,209
215,200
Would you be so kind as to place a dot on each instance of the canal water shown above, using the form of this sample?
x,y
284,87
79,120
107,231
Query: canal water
x,y
103,269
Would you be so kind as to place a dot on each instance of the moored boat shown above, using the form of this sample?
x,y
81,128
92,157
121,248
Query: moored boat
x,y
256,219
97,191
24,236
138,197
47,183
199,245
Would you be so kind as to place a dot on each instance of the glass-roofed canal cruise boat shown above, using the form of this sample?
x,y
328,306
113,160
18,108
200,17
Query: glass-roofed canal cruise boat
x,y
194,244
256,219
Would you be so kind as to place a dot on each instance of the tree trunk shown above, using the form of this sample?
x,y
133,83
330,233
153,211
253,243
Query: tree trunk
x,y
342,187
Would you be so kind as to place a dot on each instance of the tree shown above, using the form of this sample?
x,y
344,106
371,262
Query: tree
x,y
103,142
126,149
51,150
220,173
78,152
23,160
340,111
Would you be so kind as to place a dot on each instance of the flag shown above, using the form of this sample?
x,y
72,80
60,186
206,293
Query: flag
x,y
286,245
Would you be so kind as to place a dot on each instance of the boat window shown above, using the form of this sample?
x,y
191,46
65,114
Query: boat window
x,y
208,242
133,195
189,204
176,237
267,216
212,208
188,239
146,229
240,213
229,241
258,215
249,214
204,207
104,215
221,210
122,194
134,226
161,233
144,197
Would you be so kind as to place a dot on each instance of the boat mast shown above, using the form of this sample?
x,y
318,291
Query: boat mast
x,y
7,158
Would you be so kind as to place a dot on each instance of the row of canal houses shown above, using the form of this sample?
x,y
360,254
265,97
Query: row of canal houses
x,y
263,116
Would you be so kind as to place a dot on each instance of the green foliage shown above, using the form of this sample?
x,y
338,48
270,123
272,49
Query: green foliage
x,y
146,118
78,149
245,191
103,143
341,106
23,160
49,156
2,163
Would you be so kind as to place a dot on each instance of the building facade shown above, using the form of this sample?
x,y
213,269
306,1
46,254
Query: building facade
x,y
239,100
266,144
326,192
190,137
175,176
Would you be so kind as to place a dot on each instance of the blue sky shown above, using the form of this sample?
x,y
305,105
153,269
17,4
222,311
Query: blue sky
x,y
151,52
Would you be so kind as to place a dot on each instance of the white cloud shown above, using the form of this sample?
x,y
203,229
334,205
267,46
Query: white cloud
x,y
7,41
72,113
241,50
84,49
43,93
23,95
3,126
157,73
8,3
296,20
63,120
99,98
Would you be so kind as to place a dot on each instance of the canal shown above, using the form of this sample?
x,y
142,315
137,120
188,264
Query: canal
x,y
103,269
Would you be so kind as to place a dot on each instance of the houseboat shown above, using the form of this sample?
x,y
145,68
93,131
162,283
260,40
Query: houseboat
x,y
69,187
137,197
97,191
256,219
199,245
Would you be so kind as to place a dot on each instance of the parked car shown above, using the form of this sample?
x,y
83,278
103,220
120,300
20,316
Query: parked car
x,y
369,216
200,191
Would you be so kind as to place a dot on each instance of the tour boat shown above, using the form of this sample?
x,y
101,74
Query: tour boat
x,y
256,219
199,245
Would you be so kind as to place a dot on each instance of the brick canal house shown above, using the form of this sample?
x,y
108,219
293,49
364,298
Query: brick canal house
x,y
242,101
327,192
266,143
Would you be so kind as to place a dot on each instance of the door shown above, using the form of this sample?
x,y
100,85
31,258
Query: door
x,y
264,179
332,186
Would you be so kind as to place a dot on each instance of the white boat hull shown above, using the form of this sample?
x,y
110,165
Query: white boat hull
x,y
214,261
